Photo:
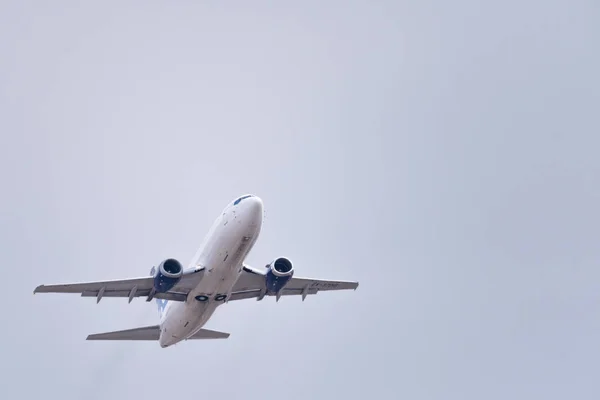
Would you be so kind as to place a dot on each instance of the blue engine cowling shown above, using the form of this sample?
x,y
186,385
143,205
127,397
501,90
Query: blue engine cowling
x,y
168,273
280,272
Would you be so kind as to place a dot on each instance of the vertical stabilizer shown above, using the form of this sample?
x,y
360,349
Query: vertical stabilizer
x,y
162,304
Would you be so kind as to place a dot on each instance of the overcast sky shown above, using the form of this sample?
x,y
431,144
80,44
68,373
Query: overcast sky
x,y
442,153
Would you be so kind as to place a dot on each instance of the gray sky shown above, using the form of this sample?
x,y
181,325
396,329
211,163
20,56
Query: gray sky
x,y
444,154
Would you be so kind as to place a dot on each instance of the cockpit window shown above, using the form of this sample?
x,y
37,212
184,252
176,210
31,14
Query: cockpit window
x,y
235,203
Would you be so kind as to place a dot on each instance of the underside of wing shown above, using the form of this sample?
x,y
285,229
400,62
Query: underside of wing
x,y
253,284
129,288
143,283
260,294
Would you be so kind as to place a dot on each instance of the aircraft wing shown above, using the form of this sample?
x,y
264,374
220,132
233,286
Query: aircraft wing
x,y
252,285
129,288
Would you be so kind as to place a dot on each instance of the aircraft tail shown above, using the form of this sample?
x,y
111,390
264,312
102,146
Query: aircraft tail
x,y
160,303
152,333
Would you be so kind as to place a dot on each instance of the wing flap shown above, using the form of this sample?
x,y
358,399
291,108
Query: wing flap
x,y
144,293
251,294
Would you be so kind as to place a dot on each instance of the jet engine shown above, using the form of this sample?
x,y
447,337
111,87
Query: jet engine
x,y
280,271
168,273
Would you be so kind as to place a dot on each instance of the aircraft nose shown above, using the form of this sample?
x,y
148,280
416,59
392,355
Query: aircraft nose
x,y
255,205
253,209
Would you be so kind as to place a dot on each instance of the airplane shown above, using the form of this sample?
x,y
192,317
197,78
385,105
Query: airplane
x,y
217,274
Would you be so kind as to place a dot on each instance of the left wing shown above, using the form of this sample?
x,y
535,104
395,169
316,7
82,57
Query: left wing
x,y
252,285
130,288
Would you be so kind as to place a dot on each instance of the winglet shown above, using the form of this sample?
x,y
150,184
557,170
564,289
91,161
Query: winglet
x,y
37,289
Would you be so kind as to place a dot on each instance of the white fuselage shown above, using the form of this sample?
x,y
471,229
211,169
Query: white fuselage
x,y
222,255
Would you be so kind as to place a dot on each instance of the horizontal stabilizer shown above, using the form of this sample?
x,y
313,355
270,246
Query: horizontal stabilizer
x,y
152,333
144,333
208,334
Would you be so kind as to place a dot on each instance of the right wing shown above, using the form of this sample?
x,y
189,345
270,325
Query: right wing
x,y
129,288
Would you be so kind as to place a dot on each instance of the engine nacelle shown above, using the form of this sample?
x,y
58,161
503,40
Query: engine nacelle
x,y
280,272
168,273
